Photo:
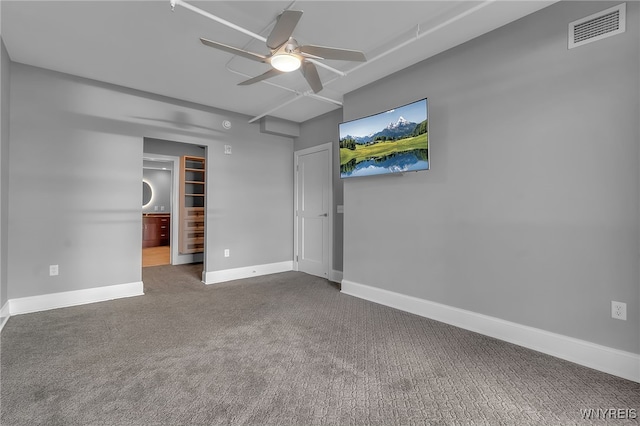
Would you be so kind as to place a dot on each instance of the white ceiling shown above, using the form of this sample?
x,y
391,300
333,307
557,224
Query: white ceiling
x,y
144,45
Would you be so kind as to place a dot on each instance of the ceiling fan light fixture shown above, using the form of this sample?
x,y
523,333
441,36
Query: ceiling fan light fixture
x,y
285,62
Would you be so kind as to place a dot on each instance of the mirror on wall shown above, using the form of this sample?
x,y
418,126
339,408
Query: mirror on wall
x,y
147,193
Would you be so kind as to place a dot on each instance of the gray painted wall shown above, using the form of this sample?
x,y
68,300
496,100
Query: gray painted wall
x,y
318,131
280,127
4,170
159,164
76,165
173,148
249,194
530,211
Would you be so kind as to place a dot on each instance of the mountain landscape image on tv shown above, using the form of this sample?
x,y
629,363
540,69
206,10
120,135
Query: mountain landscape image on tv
x,y
394,141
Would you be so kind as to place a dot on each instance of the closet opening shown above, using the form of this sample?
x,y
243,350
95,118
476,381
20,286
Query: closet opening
x,y
157,187
174,203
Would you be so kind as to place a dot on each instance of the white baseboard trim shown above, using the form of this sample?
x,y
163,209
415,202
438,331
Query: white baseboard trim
x,y
609,360
335,276
215,277
45,302
4,315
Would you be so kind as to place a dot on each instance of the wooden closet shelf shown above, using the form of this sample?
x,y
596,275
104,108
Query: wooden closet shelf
x,y
192,214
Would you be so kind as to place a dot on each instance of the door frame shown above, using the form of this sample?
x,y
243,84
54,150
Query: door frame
x,y
176,257
329,231
175,161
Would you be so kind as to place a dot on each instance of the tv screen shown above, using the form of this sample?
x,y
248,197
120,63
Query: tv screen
x,y
394,141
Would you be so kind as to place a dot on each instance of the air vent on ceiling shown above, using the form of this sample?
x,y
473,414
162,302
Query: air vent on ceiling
x,y
597,26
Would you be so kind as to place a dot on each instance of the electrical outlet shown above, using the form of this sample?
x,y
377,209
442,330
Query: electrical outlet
x,y
227,149
618,310
53,270
226,253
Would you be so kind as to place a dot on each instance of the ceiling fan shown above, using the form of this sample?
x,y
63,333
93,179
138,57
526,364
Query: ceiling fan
x,y
286,55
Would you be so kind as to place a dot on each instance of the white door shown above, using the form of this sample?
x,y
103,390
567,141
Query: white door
x,y
313,209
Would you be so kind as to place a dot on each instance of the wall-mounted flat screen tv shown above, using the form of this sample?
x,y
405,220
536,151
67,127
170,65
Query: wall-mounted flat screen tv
x,y
394,141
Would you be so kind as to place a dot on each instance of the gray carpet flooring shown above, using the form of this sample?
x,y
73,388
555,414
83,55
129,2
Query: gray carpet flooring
x,y
280,349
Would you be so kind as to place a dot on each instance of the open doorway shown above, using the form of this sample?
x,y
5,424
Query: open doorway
x,y
157,188
164,233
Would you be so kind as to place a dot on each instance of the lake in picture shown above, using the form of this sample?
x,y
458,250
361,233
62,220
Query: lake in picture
x,y
409,161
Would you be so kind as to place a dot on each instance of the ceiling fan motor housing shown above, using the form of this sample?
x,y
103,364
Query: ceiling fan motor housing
x,y
291,45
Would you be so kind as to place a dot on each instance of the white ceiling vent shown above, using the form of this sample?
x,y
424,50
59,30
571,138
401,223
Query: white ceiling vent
x,y
597,26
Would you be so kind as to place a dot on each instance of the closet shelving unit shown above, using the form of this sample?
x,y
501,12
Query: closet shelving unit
x,y
192,198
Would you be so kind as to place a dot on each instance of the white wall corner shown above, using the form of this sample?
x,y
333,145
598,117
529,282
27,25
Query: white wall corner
x,y
609,360
335,276
215,277
45,302
4,315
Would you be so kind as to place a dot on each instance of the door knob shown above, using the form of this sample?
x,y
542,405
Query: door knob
x,y
323,215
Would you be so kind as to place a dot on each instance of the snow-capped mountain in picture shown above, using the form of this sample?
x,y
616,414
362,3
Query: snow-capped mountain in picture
x,y
401,122
401,128
397,130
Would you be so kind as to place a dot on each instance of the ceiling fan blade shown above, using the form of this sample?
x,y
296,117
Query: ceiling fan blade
x,y
285,25
234,50
271,73
310,73
333,53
